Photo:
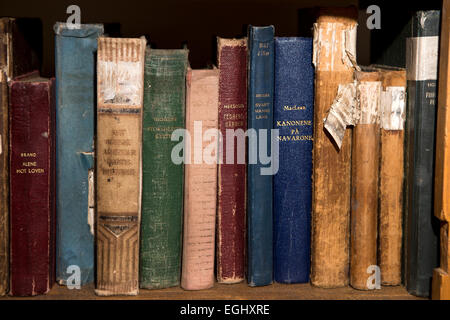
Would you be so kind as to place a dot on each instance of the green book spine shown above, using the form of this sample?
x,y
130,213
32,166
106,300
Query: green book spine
x,y
162,193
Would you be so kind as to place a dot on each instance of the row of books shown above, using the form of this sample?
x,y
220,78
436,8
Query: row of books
x,y
95,164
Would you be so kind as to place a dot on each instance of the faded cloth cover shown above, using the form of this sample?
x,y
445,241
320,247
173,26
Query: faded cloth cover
x,y
75,103
200,189
32,186
162,202
231,245
120,78
293,116
260,188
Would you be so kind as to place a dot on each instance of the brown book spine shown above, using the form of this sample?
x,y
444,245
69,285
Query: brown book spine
x,y
393,104
366,140
441,275
334,34
202,101
232,61
120,76
4,185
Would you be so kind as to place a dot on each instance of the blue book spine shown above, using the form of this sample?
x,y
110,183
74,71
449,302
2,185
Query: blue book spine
x,y
260,186
293,117
75,51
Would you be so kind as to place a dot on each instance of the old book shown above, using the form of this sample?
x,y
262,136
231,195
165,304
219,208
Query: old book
x,y
392,122
200,188
231,227
364,196
4,185
292,185
162,205
334,34
260,119
441,278
75,92
120,78
20,45
19,53
422,250
32,196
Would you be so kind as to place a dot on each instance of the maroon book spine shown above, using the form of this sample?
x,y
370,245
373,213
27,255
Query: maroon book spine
x,y
232,61
32,202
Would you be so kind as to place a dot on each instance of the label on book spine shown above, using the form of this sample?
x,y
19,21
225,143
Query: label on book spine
x,y
119,141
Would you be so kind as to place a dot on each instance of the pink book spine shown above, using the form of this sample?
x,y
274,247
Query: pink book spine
x,y
200,197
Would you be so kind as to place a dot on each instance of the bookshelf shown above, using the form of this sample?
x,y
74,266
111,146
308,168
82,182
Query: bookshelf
x,y
239,291
196,23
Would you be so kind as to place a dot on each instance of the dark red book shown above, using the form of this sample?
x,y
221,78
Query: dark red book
x,y
32,202
231,244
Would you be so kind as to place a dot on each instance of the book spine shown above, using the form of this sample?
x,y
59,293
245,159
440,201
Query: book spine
x,y
231,243
260,119
293,117
75,78
120,76
393,108
334,33
441,278
364,213
162,215
32,187
200,195
4,185
422,229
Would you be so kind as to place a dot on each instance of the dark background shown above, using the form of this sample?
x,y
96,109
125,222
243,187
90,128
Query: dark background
x,y
172,23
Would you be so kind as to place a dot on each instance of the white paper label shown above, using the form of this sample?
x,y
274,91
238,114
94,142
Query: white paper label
x,y
393,104
422,58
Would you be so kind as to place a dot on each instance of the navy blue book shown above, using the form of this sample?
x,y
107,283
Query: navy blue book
x,y
293,117
422,227
260,116
75,105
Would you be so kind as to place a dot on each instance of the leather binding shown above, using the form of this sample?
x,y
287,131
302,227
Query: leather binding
x,y
365,159
20,46
334,33
441,279
200,195
162,206
4,185
293,117
120,77
32,193
231,216
422,228
259,188
75,90
19,53
391,185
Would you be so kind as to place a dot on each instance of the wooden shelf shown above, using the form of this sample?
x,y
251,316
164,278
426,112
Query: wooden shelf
x,y
234,292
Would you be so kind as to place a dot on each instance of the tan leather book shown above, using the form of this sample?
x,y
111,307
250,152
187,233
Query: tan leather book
x,y
366,141
441,278
120,77
392,121
200,190
334,58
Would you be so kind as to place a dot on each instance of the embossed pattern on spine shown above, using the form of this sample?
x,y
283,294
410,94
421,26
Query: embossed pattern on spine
x,y
120,69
